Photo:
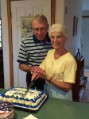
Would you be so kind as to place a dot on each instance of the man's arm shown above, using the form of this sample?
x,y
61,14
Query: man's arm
x,y
25,67
28,68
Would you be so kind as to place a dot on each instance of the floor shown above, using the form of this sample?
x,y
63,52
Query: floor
x,y
85,96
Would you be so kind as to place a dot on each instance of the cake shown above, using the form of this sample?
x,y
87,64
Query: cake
x,y
6,110
32,100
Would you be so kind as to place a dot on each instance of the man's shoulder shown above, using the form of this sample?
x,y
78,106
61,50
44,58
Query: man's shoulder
x,y
28,40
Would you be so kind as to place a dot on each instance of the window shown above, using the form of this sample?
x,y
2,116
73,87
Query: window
x,y
0,34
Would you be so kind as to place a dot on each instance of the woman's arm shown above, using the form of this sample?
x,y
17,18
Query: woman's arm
x,y
61,85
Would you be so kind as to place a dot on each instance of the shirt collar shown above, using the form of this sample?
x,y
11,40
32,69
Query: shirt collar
x,y
47,39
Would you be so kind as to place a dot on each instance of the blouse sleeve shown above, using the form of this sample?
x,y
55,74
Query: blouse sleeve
x,y
70,72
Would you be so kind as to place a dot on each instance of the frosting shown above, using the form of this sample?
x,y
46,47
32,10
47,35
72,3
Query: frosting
x,y
32,100
6,110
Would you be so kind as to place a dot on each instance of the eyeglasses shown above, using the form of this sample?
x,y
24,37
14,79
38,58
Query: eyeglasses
x,y
40,29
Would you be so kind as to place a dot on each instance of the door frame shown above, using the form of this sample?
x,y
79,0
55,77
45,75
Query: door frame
x,y
53,3
10,42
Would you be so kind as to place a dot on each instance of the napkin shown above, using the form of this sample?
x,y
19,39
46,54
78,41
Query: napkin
x,y
30,117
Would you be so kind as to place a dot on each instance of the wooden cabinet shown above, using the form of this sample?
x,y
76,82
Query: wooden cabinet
x,y
80,79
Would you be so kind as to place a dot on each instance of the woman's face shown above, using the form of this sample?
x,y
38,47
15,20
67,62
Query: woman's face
x,y
57,40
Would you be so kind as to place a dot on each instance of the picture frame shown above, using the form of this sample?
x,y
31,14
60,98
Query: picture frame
x,y
26,28
75,25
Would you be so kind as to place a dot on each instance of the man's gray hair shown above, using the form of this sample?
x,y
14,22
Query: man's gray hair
x,y
41,18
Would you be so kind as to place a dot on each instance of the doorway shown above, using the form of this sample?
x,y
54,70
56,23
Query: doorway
x,y
85,39
1,58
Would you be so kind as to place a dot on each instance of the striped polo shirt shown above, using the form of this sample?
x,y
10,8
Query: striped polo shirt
x,y
33,51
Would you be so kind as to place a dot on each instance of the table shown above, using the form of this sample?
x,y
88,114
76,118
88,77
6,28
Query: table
x,y
57,109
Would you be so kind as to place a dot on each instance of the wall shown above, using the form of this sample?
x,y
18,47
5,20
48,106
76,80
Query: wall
x,y
59,15
5,43
74,9
0,8
85,4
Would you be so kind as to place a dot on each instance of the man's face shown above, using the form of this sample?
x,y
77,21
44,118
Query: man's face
x,y
40,29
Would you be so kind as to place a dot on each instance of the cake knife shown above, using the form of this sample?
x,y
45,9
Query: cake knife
x,y
31,84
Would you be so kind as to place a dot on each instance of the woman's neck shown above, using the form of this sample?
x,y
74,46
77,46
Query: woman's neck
x,y
59,53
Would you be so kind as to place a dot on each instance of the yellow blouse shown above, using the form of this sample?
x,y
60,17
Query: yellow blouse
x,y
63,68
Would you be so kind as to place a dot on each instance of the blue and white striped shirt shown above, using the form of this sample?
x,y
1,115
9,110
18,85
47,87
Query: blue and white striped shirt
x,y
33,51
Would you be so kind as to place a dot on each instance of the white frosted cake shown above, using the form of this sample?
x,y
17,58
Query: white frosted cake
x,y
33,99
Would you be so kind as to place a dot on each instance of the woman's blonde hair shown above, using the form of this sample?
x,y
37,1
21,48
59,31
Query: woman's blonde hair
x,y
58,28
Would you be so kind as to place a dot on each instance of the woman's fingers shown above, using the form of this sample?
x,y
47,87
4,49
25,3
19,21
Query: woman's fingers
x,y
34,76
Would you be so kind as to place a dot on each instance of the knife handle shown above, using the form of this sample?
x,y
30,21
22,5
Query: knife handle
x,y
34,75
31,84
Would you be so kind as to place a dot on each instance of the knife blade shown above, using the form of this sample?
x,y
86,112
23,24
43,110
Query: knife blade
x,y
31,84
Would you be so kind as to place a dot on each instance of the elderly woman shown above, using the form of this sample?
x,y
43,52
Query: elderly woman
x,y
59,67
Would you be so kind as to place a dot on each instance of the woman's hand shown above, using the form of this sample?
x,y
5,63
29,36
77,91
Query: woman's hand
x,y
37,72
34,69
